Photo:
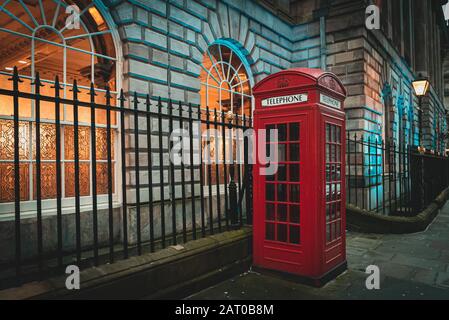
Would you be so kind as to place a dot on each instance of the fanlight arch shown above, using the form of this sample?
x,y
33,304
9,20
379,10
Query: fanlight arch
x,y
226,86
226,80
70,39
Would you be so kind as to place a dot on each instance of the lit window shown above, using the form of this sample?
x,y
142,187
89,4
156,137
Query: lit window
x,y
225,81
225,87
35,37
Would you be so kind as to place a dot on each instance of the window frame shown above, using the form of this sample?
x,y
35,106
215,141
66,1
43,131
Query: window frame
x,y
28,206
237,137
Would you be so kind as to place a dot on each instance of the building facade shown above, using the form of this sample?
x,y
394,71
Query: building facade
x,y
207,53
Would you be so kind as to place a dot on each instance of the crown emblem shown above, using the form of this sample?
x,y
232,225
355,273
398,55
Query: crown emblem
x,y
283,82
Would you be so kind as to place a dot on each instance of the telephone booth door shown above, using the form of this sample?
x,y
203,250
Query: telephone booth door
x,y
334,187
283,192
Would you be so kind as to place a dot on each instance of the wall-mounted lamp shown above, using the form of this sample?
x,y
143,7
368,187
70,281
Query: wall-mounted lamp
x,y
421,87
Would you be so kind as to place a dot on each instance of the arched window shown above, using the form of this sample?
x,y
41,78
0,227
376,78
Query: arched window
x,y
225,82
225,87
65,39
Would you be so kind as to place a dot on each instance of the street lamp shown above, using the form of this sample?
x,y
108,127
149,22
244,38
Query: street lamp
x,y
420,86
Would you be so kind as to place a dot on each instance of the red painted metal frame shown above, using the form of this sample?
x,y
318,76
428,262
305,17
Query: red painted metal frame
x,y
313,258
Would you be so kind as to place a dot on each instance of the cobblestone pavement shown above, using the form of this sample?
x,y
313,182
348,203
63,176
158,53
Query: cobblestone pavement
x,y
413,266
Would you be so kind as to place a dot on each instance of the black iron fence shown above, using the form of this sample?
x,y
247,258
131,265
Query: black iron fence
x,y
429,176
109,189
391,178
96,182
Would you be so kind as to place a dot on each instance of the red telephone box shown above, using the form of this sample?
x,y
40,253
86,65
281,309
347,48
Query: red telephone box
x,y
300,211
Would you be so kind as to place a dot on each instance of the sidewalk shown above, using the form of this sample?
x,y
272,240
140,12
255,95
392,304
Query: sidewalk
x,y
414,266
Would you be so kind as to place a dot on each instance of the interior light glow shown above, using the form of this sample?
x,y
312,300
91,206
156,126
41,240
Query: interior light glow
x,y
96,16
420,87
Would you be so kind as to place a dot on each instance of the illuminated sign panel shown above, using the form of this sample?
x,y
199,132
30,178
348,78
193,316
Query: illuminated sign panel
x,y
278,101
330,102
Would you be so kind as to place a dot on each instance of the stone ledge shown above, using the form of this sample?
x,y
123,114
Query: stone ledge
x,y
364,221
165,273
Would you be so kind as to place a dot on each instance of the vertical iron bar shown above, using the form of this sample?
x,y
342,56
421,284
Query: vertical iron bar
x,y
17,226
58,171
225,168
77,172
150,174
400,159
249,187
217,169
203,218
390,198
239,173
183,187
369,172
93,134
408,179
232,185
247,173
161,173
422,187
109,159
363,170
377,174
348,161
124,189
403,175
37,85
137,172
192,173
209,171
395,177
356,171
383,177
172,174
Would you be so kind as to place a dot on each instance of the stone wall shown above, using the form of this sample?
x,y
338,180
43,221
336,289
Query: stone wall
x,y
164,41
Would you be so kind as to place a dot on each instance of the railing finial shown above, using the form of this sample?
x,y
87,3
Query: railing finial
x,y
15,76
148,102
108,92
37,81
122,98
75,87
92,90
57,86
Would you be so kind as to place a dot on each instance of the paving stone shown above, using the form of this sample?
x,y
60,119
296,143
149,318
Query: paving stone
x,y
395,270
366,243
426,276
355,251
418,262
443,279
376,255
